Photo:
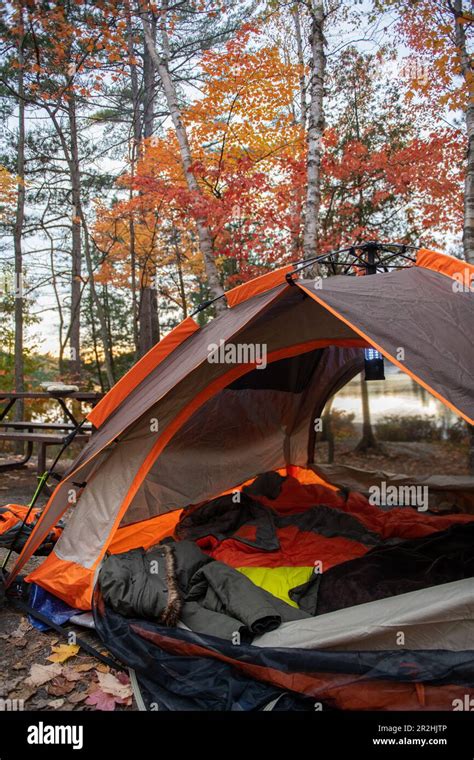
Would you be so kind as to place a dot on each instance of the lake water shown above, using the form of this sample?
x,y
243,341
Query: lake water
x,y
397,394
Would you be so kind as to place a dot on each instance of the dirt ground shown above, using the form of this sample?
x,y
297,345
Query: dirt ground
x,y
80,682
422,459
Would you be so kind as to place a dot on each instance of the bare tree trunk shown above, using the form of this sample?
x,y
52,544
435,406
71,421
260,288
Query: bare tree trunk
x,y
328,432
133,271
71,154
182,291
468,74
101,315
179,265
299,211
368,440
108,323
295,12
471,449
149,333
18,232
57,298
468,226
149,83
94,344
136,137
315,130
468,231
161,63
76,252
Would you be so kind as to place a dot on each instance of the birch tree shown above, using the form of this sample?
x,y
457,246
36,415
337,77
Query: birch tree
x,y
315,127
462,22
161,61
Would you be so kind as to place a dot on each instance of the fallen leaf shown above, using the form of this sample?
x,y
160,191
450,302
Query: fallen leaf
x,y
120,701
40,674
36,646
7,686
55,704
63,652
59,686
84,667
24,693
23,628
78,696
71,674
111,685
101,701
41,704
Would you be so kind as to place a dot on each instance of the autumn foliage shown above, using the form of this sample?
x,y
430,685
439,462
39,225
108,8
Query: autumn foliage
x,y
380,177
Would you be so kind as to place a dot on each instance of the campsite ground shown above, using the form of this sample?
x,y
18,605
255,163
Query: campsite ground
x,y
80,682
417,458
24,650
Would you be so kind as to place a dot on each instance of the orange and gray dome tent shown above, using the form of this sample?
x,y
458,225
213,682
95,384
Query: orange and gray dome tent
x,y
180,427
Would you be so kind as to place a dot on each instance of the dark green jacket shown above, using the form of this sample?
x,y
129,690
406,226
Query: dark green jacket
x,y
177,581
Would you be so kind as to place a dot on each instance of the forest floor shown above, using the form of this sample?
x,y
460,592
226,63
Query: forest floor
x,y
409,458
77,681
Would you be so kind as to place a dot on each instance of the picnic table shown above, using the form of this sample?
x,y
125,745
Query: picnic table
x,y
43,434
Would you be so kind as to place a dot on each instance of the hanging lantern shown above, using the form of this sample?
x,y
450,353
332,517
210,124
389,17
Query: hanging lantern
x,y
373,364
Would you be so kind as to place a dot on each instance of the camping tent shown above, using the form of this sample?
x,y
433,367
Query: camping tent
x,y
199,419
211,407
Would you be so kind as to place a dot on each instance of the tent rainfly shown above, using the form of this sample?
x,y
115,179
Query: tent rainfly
x,y
210,407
